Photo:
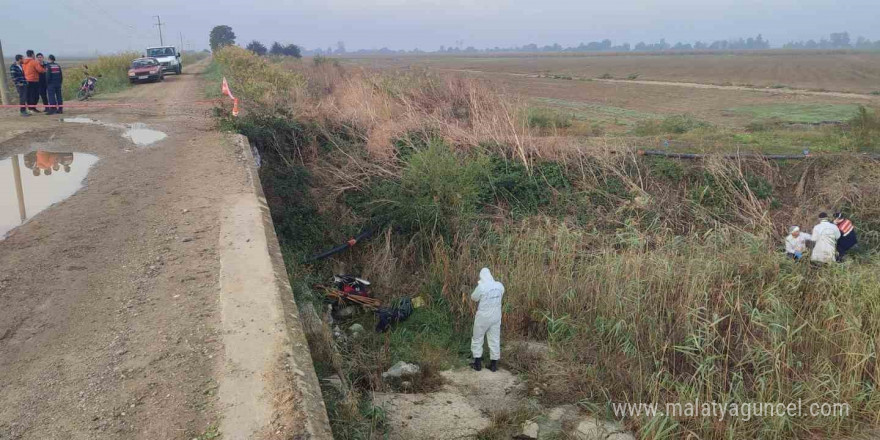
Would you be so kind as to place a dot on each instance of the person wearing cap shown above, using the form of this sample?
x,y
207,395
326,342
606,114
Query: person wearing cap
x,y
847,235
796,242
825,234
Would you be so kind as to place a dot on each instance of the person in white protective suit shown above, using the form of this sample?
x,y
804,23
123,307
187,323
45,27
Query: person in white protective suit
x,y
796,243
825,234
488,320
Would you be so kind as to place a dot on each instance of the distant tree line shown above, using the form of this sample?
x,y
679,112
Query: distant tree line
x,y
223,35
278,49
606,45
838,40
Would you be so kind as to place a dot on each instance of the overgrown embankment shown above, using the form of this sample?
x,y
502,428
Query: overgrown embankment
x,y
652,280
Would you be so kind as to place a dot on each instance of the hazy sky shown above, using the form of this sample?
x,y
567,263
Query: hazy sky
x,y
88,26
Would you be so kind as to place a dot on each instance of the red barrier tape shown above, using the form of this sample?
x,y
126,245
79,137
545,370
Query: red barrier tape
x,y
224,88
78,104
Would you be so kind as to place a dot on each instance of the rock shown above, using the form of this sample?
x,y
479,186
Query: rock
x,y
356,328
556,414
529,430
594,429
401,369
186,239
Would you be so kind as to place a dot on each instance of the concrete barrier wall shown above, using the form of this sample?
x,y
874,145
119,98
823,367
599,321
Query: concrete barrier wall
x,y
268,387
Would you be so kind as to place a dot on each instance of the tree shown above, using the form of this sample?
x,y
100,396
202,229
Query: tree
x,y
340,47
290,50
257,48
222,36
840,39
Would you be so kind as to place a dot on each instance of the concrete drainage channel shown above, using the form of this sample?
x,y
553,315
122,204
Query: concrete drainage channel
x,y
268,387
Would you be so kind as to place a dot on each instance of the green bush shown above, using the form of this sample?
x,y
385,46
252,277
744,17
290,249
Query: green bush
x,y
548,119
675,124
667,168
681,124
510,182
865,129
438,190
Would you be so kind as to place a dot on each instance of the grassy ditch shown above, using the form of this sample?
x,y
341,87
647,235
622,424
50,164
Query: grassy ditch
x,y
651,280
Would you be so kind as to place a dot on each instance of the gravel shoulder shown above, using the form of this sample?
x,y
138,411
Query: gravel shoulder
x,y
109,312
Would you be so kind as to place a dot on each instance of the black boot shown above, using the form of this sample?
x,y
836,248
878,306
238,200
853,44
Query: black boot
x,y
493,366
477,365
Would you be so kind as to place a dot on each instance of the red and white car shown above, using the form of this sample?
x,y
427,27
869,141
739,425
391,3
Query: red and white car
x,y
145,69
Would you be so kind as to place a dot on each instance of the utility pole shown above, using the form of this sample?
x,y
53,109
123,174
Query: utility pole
x,y
180,48
4,87
159,25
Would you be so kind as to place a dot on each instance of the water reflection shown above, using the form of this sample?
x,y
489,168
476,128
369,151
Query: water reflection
x,y
53,177
47,162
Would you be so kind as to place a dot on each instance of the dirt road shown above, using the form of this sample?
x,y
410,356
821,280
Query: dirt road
x,y
108,299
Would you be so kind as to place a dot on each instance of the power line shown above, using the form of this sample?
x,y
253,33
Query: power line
x,y
159,25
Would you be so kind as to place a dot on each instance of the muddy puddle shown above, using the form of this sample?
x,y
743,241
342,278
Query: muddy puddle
x,y
34,181
137,133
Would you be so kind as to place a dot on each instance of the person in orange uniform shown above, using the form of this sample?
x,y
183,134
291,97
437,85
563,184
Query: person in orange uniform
x,y
847,235
32,70
47,161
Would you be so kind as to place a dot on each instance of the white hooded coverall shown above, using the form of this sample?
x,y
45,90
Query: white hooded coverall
x,y
488,320
825,234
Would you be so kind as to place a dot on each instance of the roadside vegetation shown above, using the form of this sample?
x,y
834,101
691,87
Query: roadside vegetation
x,y
112,69
189,58
651,280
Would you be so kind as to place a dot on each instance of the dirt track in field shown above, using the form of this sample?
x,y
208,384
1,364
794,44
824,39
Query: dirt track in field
x,y
108,299
855,72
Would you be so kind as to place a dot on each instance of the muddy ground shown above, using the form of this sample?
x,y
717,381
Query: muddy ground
x,y
108,299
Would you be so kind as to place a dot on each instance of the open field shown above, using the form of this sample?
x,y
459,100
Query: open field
x,y
795,99
845,72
